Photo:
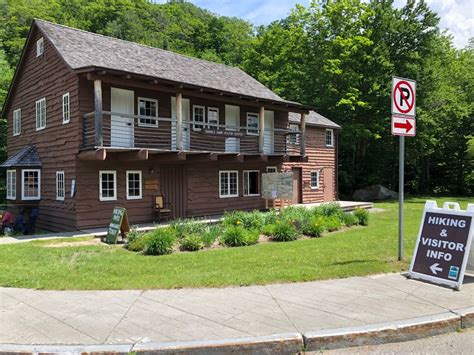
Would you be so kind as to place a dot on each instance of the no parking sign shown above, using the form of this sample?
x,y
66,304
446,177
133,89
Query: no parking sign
x,y
403,96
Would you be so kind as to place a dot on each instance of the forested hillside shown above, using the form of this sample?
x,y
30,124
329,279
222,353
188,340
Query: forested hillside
x,y
338,57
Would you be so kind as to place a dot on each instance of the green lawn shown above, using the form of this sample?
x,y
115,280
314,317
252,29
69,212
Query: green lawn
x,y
356,251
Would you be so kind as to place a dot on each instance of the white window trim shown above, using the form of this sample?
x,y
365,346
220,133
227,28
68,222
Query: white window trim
x,y
272,167
45,114
60,198
204,120
311,179
216,109
39,47
332,138
243,175
23,197
114,198
11,196
139,172
65,121
140,124
252,114
17,121
228,182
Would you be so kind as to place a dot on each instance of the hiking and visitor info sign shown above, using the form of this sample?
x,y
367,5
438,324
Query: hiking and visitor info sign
x,y
443,244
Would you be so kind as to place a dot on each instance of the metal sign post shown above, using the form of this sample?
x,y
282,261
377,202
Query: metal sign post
x,y
403,124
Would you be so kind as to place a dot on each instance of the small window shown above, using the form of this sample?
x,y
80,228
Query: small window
x,y
134,185
39,47
60,186
228,184
148,111
213,117
11,184
272,169
252,123
107,185
31,184
315,179
293,137
17,122
329,138
199,117
66,109
251,183
41,114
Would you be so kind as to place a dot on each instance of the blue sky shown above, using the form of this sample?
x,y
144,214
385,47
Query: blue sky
x,y
457,16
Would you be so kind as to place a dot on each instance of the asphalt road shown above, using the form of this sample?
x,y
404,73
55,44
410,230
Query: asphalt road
x,y
451,343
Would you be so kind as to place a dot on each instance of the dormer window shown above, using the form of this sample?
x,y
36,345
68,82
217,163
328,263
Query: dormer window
x,y
39,47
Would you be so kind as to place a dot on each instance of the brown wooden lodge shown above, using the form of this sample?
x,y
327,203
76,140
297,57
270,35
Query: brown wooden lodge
x,y
96,122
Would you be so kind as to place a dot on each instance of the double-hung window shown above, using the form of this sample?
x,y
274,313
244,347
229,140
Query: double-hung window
x,y
107,185
41,114
31,184
66,109
228,183
11,184
252,123
39,46
199,117
315,179
251,183
17,122
148,111
60,186
134,185
213,117
329,138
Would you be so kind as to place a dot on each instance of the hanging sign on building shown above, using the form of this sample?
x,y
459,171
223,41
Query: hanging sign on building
x,y
443,245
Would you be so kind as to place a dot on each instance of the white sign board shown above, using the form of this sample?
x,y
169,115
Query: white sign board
x,y
403,126
403,97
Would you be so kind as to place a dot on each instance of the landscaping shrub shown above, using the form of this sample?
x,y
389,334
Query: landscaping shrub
x,y
295,215
362,216
248,220
270,217
185,227
332,223
136,244
133,234
192,242
331,210
282,231
211,233
315,227
159,241
237,236
350,220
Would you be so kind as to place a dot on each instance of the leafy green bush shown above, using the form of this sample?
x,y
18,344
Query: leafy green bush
x,y
192,242
315,227
270,217
133,234
331,210
294,214
282,231
332,223
362,216
248,220
350,220
237,236
185,227
159,241
211,233
136,244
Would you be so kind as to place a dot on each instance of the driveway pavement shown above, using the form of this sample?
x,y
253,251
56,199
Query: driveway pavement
x,y
123,317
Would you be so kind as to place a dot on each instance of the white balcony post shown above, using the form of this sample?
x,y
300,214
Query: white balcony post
x,y
303,135
261,132
99,139
179,121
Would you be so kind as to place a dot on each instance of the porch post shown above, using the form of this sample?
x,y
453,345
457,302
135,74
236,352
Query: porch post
x,y
261,132
179,121
303,135
99,138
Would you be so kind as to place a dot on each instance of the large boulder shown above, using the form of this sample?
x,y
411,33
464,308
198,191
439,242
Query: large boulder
x,y
374,193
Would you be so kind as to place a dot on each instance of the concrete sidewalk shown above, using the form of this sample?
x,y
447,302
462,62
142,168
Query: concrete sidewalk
x,y
140,317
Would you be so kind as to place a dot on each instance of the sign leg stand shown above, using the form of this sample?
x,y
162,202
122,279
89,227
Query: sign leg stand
x,y
401,179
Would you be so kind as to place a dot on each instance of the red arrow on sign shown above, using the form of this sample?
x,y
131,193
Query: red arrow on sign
x,y
407,125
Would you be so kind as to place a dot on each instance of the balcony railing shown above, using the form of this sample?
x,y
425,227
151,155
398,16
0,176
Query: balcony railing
x,y
135,131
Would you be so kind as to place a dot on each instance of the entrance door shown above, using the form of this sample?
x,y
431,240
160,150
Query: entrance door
x,y
186,118
297,195
232,123
121,128
268,137
328,178
174,188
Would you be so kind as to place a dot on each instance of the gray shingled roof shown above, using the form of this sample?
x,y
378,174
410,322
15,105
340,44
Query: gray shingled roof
x,y
313,119
27,156
81,49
